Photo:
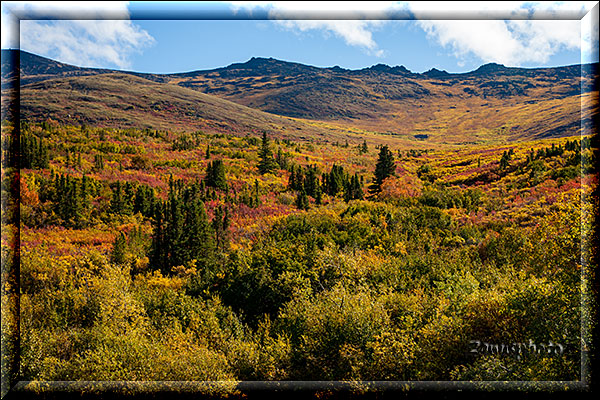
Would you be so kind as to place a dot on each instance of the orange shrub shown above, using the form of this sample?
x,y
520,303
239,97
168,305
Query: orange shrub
x,y
399,187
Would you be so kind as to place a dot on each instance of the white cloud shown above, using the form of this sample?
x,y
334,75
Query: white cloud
x,y
493,38
507,42
511,42
357,31
90,43
98,33
353,32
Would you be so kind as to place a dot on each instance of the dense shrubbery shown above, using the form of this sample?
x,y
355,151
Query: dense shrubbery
x,y
123,280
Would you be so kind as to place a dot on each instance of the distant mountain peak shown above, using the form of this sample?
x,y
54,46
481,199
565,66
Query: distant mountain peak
x,y
264,65
434,72
380,67
397,70
491,67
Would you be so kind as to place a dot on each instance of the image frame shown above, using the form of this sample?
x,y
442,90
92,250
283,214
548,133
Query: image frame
x,y
12,388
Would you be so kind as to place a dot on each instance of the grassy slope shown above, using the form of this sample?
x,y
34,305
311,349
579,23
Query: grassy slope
x,y
119,100
489,106
476,107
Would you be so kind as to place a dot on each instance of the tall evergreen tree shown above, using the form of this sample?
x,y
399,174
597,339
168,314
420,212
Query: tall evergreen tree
x,y
384,168
119,249
335,180
215,175
311,180
504,160
182,231
266,161
220,224
175,231
159,248
318,194
302,200
363,148
353,189
34,152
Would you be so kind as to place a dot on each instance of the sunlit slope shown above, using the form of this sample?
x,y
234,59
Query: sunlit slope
x,y
490,104
120,100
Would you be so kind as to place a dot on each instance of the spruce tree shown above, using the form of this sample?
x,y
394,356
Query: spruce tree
x,y
215,175
384,168
220,224
311,181
128,199
318,194
119,249
353,189
175,232
504,160
302,200
266,162
158,251
116,201
363,148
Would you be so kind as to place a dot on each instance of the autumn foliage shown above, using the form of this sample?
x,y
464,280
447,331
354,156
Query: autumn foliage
x,y
145,257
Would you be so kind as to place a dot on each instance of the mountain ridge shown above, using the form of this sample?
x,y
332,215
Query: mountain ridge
x,y
493,102
254,62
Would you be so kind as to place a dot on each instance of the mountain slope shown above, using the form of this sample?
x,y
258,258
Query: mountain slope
x,y
34,68
123,100
393,100
491,104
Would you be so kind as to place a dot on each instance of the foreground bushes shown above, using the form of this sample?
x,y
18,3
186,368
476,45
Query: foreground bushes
x,y
365,291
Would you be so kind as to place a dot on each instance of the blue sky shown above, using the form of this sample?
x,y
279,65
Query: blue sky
x,y
155,37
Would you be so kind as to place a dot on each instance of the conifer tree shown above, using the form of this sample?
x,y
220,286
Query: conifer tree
x,y
311,181
34,152
158,251
335,180
363,148
215,175
504,160
353,189
384,168
282,159
318,194
220,225
116,201
174,232
119,249
182,231
302,200
266,162
127,199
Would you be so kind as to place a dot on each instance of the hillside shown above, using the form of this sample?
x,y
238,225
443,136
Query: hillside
x,y
126,101
489,102
34,68
155,233
493,104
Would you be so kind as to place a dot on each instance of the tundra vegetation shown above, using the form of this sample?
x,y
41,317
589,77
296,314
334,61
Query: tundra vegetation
x,y
155,255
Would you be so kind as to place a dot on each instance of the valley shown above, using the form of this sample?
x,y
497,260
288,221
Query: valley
x,y
273,221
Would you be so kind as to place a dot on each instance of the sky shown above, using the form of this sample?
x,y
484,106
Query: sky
x,y
170,37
